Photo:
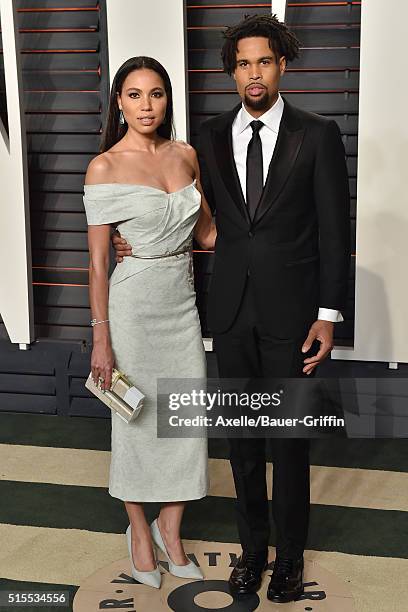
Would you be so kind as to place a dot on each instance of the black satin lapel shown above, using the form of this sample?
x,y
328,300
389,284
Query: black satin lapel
x,y
284,156
225,161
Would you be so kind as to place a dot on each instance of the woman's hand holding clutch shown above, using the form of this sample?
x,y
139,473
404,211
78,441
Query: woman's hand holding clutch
x,y
102,362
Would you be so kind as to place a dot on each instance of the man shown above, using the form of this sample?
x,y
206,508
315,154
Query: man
x,y
277,178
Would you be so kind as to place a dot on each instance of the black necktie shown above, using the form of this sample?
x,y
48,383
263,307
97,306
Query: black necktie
x,y
254,167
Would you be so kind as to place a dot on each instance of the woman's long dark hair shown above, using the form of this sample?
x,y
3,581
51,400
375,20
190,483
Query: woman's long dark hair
x,y
114,131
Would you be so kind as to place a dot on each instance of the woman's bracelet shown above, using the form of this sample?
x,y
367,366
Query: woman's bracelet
x,y
95,322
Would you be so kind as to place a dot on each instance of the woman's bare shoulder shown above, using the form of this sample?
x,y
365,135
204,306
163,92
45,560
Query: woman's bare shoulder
x,y
99,169
185,149
182,145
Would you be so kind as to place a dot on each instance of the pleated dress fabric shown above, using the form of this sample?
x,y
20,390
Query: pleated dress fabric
x,y
155,333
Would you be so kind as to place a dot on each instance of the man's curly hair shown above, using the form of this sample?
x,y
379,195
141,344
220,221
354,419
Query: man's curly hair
x,y
281,40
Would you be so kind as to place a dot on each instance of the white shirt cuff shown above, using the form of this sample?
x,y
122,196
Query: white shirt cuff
x,y
328,314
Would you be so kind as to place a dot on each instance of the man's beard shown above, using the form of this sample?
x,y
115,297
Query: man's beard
x,y
261,103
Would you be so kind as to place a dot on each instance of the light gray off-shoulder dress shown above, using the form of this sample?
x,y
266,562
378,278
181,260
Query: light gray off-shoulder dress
x,y
155,333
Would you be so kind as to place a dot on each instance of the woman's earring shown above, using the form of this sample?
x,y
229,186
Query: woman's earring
x,y
121,117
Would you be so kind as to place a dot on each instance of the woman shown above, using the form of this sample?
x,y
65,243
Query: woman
x,y
147,323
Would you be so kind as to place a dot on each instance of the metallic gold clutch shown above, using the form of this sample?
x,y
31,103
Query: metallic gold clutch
x,y
122,397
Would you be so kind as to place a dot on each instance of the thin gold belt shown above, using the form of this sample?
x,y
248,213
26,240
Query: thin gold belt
x,y
184,250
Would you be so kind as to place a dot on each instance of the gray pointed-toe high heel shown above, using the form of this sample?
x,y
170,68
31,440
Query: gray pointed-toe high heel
x,y
152,578
181,571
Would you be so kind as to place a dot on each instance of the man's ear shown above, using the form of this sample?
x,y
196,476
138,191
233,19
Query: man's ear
x,y
282,65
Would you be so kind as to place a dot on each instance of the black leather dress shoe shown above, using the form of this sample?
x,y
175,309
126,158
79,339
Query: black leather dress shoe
x,y
246,577
286,581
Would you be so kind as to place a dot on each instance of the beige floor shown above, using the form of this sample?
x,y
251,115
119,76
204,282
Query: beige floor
x,y
329,485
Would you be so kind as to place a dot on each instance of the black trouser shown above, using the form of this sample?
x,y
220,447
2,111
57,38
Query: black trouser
x,y
247,350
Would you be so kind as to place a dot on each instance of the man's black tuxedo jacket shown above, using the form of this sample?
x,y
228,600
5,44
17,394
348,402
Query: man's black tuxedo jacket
x,y
297,248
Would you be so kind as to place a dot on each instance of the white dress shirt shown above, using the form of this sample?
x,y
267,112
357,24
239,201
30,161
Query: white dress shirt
x,y
241,135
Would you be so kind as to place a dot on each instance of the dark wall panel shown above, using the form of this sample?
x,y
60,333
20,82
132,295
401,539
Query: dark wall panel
x,y
65,81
